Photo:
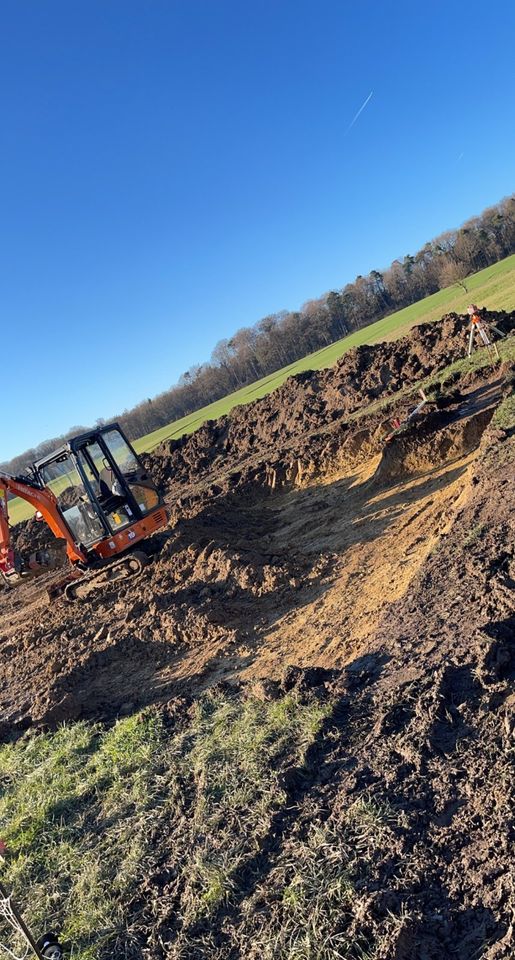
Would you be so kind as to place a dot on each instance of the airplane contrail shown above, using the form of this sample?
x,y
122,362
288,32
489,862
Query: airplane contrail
x,y
360,111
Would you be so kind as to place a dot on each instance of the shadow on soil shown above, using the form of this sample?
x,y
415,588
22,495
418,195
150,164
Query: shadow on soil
x,y
138,668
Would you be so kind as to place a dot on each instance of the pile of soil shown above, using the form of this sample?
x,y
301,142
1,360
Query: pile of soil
x,y
213,580
311,401
33,534
30,535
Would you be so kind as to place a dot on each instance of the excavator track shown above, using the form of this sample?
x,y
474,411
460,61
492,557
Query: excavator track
x,y
126,568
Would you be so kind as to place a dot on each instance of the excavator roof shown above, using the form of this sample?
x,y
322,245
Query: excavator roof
x,y
73,442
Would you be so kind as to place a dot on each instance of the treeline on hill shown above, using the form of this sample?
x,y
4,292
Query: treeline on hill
x,y
282,338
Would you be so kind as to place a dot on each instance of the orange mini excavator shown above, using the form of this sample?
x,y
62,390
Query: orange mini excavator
x,y
99,502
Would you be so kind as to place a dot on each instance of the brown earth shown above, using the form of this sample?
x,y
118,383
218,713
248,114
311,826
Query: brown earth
x,y
304,549
310,402
421,729
249,581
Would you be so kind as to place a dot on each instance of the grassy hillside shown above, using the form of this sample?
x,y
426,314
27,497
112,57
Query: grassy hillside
x,y
493,287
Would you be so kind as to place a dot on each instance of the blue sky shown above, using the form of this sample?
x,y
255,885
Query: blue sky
x,y
171,170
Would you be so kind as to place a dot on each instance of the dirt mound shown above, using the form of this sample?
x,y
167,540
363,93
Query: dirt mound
x,y
312,401
215,578
31,535
439,438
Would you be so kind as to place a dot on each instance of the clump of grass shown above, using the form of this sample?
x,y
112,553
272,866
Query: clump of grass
x,y
474,534
235,751
504,416
80,809
72,810
500,456
316,886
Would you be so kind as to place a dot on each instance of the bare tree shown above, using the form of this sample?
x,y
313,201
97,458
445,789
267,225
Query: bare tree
x,y
454,273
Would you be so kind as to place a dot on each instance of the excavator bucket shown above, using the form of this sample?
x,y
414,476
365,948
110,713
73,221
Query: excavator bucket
x,y
52,557
12,568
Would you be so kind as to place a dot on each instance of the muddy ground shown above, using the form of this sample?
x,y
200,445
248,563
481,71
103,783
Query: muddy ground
x,y
309,546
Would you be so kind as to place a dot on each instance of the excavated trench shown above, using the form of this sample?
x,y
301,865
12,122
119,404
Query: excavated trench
x,y
246,584
296,524
372,527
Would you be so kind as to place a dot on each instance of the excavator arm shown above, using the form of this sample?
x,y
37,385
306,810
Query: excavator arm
x,y
7,559
43,500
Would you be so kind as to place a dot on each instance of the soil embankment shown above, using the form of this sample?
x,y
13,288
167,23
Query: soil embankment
x,y
293,421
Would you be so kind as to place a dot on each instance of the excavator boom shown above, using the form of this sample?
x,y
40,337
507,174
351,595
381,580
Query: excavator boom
x,y
44,501
7,560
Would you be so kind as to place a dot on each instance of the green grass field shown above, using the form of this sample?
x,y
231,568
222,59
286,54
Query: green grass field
x,y
493,287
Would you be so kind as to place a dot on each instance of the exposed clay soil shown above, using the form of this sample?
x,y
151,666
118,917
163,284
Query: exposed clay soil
x,y
304,549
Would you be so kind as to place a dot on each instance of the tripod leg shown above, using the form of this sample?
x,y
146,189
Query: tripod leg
x,y
471,341
22,926
497,331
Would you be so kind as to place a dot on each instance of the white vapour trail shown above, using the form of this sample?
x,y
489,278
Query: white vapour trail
x,y
360,111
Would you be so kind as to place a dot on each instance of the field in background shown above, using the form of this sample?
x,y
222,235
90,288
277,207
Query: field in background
x,y
493,287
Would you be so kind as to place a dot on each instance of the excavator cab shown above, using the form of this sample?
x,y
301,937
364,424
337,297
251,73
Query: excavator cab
x,y
103,492
97,499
